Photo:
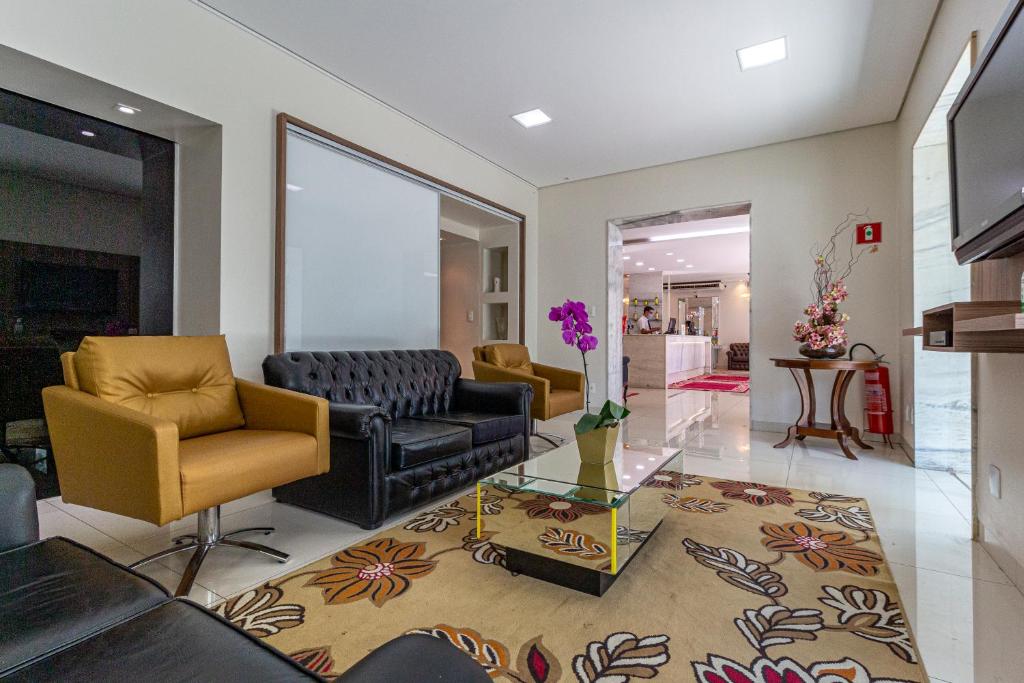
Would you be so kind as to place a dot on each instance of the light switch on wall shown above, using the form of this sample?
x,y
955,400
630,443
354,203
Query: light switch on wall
x,y
470,314
995,481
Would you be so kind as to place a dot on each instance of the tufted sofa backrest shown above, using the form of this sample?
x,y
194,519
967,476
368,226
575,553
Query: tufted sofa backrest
x,y
404,383
740,349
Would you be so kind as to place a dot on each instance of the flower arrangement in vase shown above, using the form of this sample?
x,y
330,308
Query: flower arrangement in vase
x,y
823,334
596,433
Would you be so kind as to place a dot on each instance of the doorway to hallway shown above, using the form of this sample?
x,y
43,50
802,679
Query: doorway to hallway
x,y
480,277
680,282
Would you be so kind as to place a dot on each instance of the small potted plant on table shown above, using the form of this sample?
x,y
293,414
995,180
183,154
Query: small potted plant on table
x,y
596,433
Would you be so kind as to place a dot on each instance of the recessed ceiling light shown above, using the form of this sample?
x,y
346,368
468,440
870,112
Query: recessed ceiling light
x,y
626,258
668,253
762,54
639,263
701,233
689,265
127,109
529,119
88,134
293,188
650,269
680,260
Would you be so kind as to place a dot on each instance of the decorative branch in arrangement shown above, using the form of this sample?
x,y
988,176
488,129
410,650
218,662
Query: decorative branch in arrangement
x,y
823,333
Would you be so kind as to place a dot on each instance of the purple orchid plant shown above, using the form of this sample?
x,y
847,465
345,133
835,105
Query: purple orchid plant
x,y
578,333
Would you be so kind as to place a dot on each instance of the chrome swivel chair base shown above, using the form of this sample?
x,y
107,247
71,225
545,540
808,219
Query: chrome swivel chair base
x,y
552,439
208,536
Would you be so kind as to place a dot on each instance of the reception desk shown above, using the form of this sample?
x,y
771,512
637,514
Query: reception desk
x,y
657,360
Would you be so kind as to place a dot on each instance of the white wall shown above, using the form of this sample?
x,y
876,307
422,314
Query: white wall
x,y
999,378
799,190
197,62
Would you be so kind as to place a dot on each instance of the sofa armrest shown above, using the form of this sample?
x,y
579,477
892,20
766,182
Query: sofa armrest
x,y
502,398
19,517
560,378
114,458
266,407
356,421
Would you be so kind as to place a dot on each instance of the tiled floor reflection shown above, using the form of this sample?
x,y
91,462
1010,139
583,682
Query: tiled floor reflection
x,y
968,617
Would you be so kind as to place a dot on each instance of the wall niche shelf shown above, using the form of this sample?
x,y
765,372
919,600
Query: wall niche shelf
x,y
495,262
976,326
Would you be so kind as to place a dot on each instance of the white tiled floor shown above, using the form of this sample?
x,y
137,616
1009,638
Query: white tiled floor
x,y
968,617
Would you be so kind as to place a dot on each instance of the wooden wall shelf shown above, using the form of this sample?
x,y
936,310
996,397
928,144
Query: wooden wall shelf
x,y
977,326
993,323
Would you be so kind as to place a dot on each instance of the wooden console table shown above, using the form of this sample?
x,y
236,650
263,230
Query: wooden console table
x,y
839,428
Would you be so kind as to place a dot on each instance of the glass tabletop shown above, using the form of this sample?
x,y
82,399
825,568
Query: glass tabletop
x,y
559,472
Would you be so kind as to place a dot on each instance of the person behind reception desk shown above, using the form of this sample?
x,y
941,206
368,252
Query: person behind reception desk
x,y
645,321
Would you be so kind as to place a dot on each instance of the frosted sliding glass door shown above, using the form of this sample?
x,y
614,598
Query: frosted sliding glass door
x,y
361,254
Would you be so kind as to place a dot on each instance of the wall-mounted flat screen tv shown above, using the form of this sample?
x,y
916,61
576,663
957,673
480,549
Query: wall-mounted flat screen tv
x,y
61,288
986,148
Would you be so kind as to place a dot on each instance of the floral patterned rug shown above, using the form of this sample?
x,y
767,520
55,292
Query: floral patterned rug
x,y
742,582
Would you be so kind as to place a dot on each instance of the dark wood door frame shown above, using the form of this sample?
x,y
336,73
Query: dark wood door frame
x,y
283,121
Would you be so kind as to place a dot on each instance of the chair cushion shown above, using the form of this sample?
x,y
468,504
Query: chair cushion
x,y
485,427
187,380
415,441
56,592
510,356
223,467
177,641
562,401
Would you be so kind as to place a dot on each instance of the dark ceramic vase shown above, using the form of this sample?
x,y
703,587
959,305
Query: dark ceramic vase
x,y
828,353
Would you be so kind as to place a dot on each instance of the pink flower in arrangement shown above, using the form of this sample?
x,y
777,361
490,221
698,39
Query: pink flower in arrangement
x,y
824,326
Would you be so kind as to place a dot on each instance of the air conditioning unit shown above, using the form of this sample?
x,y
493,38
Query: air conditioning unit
x,y
709,284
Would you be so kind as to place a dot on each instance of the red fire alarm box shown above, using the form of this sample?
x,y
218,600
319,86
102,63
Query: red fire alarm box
x,y
869,233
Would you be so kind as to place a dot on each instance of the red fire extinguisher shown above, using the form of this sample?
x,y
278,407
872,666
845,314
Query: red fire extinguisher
x,y
877,398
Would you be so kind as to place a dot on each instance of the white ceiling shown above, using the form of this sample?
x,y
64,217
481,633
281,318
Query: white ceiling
x,y
628,84
716,257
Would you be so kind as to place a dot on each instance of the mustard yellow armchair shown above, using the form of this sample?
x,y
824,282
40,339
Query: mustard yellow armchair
x,y
556,391
156,428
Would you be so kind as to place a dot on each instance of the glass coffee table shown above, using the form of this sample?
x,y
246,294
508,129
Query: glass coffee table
x,y
574,524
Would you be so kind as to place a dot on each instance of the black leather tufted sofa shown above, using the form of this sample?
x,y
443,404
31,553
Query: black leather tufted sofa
x,y
739,356
405,429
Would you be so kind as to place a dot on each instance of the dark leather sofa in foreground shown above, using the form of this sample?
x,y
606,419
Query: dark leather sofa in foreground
x,y
70,614
405,429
